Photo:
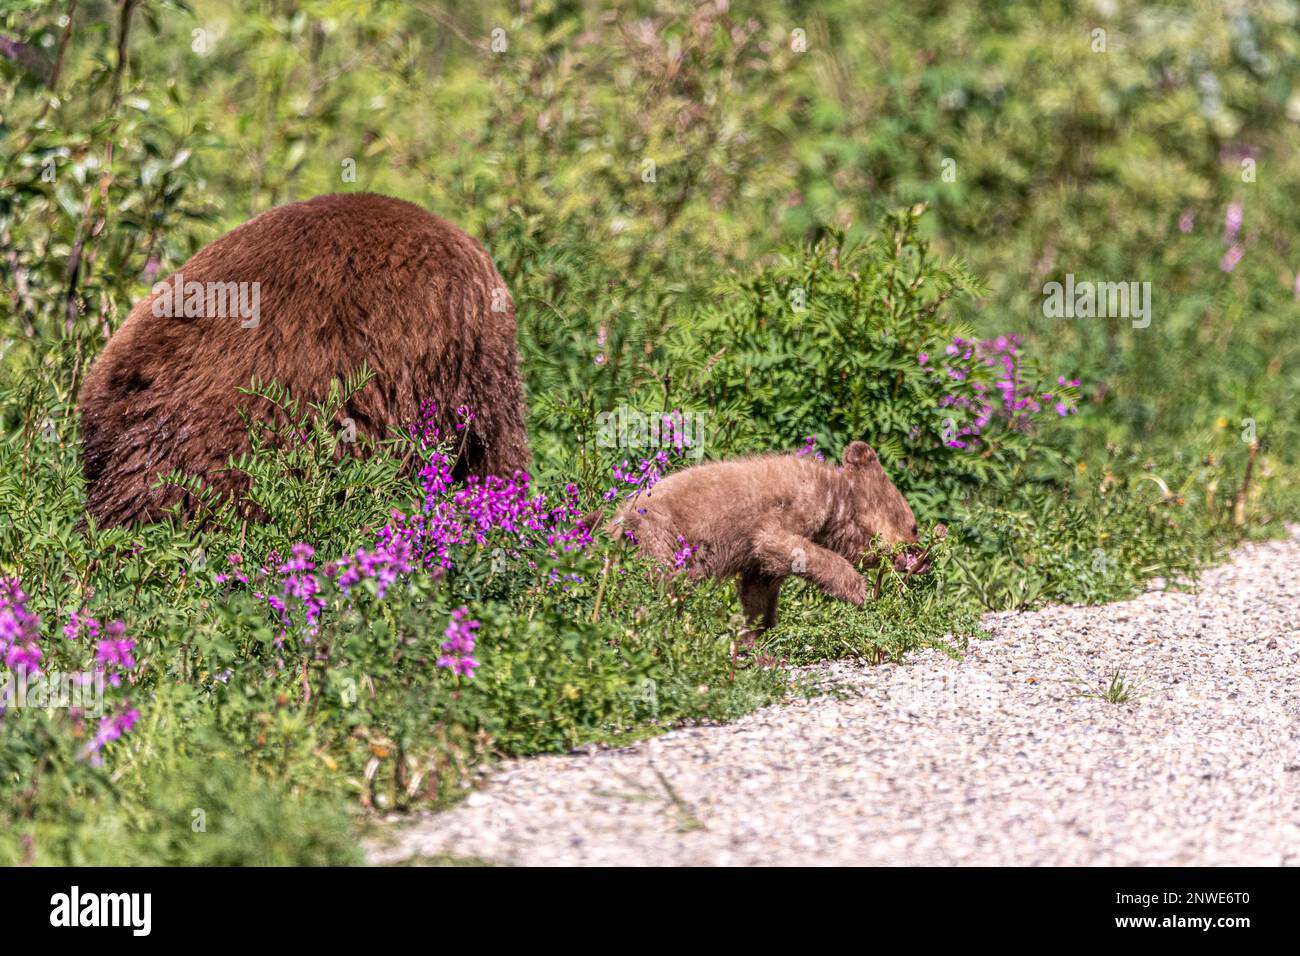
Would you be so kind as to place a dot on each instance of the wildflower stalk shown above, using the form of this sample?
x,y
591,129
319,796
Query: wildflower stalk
x,y
600,589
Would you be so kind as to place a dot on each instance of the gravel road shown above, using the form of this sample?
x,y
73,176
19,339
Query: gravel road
x,y
1001,758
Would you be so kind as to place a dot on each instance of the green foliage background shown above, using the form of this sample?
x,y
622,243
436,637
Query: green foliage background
x,y
653,180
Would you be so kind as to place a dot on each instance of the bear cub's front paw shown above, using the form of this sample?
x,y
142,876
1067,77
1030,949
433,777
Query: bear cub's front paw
x,y
854,590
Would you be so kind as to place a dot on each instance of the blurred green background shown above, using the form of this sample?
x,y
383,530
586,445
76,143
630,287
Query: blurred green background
x,y
1101,139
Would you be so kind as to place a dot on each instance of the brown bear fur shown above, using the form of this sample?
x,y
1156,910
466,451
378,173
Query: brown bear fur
x,y
344,279
766,518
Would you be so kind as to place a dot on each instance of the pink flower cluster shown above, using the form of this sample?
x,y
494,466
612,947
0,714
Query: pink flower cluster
x,y
673,431
299,590
631,483
19,630
114,655
1011,397
383,565
110,728
426,430
468,515
456,517
20,650
236,572
458,648
1231,227
471,515
810,443
79,624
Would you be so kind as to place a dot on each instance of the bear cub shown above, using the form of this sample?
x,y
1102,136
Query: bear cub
x,y
765,518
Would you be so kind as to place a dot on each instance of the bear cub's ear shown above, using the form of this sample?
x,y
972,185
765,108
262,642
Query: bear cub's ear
x,y
859,454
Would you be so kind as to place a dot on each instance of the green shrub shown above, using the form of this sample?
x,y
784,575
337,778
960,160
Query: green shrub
x,y
855,341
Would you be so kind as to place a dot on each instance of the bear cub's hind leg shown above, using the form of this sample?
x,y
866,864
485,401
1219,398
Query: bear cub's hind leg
x,y
758,594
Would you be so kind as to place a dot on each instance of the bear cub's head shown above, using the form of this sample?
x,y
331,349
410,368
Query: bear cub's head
x,y
880,513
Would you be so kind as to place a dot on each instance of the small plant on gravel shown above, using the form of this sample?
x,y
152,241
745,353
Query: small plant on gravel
x,y
1116,690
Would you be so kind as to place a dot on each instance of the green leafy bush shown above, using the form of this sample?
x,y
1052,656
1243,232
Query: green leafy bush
x,y
855,341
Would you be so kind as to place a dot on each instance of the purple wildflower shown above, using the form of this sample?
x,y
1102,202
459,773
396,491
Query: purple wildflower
x,y
383,565
79,622
1011,397
647,474
1231,258
19,629
468,515
116,652
809,446
1232,223
299,589
236,573
683,554
110,729
458,648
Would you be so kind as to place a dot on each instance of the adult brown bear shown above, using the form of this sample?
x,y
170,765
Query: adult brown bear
x,y
303,294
